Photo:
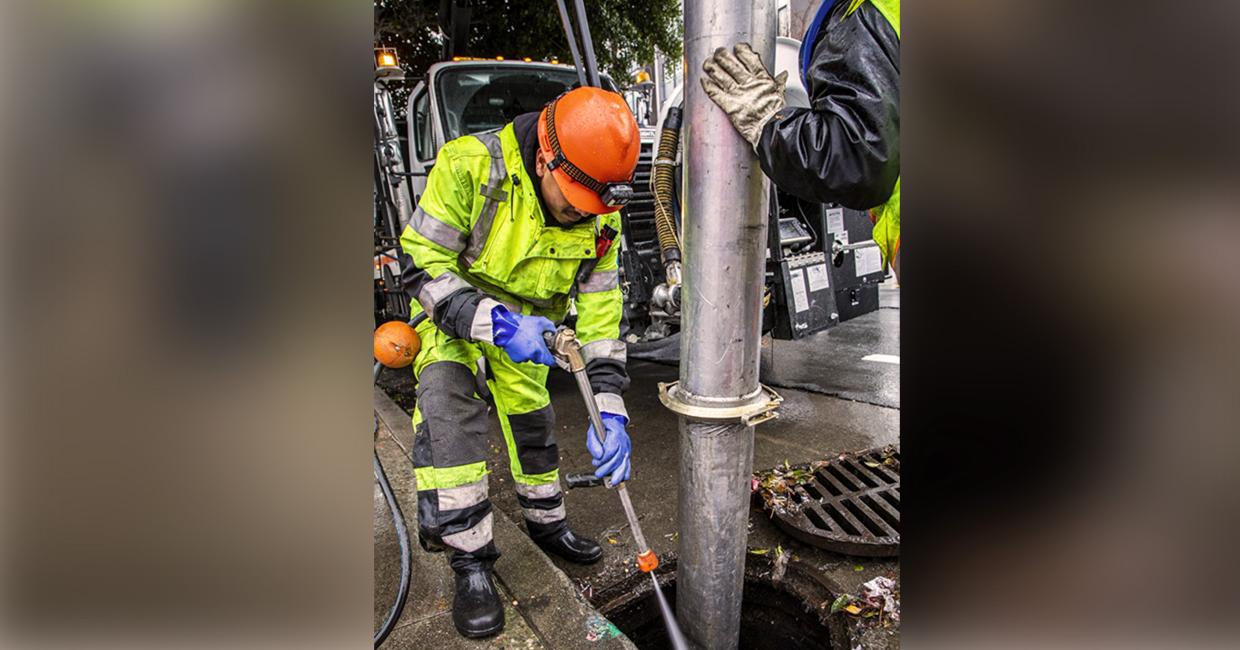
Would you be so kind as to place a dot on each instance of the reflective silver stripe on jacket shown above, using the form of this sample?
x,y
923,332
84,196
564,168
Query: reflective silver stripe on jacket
x,y
438,289
481,327
494,193
600,281
462,496
611,403
472,539
437,231
613,349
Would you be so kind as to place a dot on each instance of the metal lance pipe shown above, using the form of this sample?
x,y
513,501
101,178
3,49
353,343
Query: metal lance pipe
x,y
724,237
587,45
572,41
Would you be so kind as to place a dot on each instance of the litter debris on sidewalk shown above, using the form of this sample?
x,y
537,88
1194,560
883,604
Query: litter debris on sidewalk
x,y
599,628
879,598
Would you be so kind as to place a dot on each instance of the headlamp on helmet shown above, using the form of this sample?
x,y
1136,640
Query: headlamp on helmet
x,y
617,194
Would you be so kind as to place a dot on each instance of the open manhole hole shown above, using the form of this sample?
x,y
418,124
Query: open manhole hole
x,y
789,613
849,504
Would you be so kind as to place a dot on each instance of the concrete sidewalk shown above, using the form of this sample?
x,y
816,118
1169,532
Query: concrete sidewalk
x,y
543,608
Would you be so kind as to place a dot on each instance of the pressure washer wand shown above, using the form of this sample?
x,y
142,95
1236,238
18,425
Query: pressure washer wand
x,y
564,345
596,419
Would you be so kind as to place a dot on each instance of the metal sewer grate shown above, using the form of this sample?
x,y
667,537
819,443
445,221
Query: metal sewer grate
x,y
847,505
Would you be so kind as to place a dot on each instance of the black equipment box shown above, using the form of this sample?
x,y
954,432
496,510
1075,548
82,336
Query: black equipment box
x,y
855,274
855,301
803,297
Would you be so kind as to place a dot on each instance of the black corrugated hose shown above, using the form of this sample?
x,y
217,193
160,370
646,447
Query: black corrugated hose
x,y
402,534
662,185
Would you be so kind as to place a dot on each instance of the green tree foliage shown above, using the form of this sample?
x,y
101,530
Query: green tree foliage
x,y
626,33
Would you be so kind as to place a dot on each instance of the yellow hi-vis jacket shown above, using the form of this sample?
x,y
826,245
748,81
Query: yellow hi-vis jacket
x,y
480,238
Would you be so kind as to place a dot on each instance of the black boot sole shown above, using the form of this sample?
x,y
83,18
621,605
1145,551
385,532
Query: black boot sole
x,y
472,634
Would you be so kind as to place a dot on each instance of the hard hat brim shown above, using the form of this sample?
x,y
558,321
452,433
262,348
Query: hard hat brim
x,y
580,196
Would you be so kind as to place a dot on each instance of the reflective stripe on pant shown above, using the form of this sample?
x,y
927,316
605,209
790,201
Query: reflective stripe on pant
x,y
449,460
450,440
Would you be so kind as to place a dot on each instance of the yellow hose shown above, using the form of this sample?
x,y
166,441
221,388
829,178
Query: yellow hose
x,y
662,185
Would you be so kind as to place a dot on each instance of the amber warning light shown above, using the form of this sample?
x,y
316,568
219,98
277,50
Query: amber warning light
x,y
386,58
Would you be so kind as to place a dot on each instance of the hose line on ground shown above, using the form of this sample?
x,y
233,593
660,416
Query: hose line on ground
x,y
402,534
662,185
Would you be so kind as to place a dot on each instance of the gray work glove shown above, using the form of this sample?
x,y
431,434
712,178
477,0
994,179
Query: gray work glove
x,y
742,87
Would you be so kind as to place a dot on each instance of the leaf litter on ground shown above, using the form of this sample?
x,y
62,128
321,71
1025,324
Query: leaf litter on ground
x,y
879,597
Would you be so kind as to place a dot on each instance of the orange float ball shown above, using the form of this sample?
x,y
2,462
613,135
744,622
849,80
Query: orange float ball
x,y
396,344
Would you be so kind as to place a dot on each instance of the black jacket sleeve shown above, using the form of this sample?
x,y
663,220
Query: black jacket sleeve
x,y
845,148
607,376
454,313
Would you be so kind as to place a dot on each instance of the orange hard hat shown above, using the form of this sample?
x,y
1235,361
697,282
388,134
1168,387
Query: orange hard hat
x,y
396,344
591,140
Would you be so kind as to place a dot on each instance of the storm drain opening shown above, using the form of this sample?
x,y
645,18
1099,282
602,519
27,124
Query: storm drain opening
x,y
790,612
849,504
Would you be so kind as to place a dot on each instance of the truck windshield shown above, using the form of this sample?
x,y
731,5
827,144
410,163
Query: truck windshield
x,y
478,98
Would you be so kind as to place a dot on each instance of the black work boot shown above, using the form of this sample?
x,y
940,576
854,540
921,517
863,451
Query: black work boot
x,y
558,539
477,610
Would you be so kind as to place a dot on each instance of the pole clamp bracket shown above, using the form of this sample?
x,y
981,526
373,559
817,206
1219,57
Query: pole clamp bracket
x,y
750,410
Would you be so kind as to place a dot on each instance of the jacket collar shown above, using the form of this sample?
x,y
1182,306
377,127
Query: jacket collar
x,y
525,128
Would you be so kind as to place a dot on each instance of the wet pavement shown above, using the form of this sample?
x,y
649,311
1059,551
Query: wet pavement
x,y
863,363
836,400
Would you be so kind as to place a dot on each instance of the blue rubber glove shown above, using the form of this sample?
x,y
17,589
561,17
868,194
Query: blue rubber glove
x,y
521,336
612,456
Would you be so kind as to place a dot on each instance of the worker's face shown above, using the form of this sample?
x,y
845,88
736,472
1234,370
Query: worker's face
x,y
561,210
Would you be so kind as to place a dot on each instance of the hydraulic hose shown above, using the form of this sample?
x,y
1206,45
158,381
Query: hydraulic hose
x,y
402,534
662,185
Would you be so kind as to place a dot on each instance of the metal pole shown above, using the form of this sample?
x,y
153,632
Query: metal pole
x,y
572,41
588,44
656,94
725,222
